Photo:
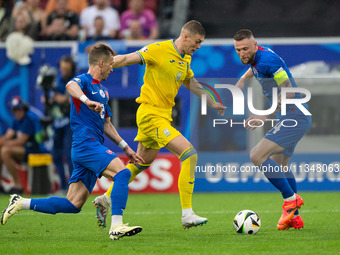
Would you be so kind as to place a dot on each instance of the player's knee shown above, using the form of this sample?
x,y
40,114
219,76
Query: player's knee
x,y
194,158
71,208
189,153
255,157
4,152
123,174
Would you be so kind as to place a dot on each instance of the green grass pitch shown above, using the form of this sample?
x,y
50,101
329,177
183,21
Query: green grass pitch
x,y
159,214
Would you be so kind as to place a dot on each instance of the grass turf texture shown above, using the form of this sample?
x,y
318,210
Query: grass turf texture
x,y
35,233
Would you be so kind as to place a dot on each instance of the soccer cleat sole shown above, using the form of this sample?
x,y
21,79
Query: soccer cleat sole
x,y
100,220
132,232
187,226
280,227
13,199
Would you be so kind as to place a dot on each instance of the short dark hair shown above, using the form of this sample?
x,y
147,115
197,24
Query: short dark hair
x,y
243,34
194,27
100,51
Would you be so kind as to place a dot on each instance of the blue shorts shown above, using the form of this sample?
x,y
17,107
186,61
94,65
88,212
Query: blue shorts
x,y
286,134
90,158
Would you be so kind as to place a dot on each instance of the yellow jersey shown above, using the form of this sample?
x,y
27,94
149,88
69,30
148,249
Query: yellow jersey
x,y
165,71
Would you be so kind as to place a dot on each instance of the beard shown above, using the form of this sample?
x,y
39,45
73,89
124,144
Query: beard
x,y
249,60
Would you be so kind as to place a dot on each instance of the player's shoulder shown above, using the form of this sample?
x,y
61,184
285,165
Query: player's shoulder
x,y
162,44
81,78
268,54
267,57
154,47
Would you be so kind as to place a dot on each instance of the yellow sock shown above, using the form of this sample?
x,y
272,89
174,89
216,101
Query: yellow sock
x,y
186,178
135,170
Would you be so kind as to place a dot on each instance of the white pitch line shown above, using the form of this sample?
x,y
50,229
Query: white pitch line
x,y
27,212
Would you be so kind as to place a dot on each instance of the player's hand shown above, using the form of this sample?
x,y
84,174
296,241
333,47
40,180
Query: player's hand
x,y
255,121
133,157
219,107
94,106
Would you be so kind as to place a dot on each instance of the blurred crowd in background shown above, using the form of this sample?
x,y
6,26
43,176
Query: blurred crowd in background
x,y
152,19
62,20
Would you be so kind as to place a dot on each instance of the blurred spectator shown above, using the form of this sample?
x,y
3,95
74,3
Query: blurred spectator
x,y
99,25
146,18
5,16
61,125
19,43
121,5
76,6
100,8
19,140
71,19
58,30
23,22
33,7
135,30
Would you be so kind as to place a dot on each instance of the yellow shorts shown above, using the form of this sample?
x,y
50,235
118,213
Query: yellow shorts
x,y
154,126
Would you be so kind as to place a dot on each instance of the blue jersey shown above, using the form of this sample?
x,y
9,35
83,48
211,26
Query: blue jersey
x,y
266,65
29,125
86,123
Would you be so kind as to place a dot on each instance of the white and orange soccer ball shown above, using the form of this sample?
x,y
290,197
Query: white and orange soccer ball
x,y
247,222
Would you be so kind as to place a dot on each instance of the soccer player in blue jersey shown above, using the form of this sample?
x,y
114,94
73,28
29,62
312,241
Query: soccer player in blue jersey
x,y
277,147
90,119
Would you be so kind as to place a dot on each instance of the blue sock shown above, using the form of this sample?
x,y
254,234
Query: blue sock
x,y
120,191
53,205
274,173
292,182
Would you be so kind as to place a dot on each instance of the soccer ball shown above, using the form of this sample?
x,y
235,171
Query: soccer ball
x,y
247,222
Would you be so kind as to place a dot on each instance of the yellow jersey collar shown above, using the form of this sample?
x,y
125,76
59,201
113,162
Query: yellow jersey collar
x,y
173,43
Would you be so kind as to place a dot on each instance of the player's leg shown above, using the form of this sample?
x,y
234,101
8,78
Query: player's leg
x,y
187,154
148,154
103,202
260,156
297,221
10,155
76,197
117,172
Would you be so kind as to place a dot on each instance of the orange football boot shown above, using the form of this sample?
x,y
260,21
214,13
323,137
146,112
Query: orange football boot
x,y
289,208
295,222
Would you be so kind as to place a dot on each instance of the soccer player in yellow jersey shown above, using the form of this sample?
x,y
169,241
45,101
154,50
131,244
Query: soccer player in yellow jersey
x,y
167,68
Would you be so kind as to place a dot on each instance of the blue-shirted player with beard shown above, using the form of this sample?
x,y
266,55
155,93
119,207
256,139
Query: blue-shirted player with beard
x,y
277,147
90,119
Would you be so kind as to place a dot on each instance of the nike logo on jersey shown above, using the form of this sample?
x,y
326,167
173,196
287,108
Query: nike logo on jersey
x,y
171,61
94,92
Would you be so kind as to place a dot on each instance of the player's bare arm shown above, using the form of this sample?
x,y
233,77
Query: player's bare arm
x,y
247,75
126,60
75,91
255,121
285,84
196,88
111,132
